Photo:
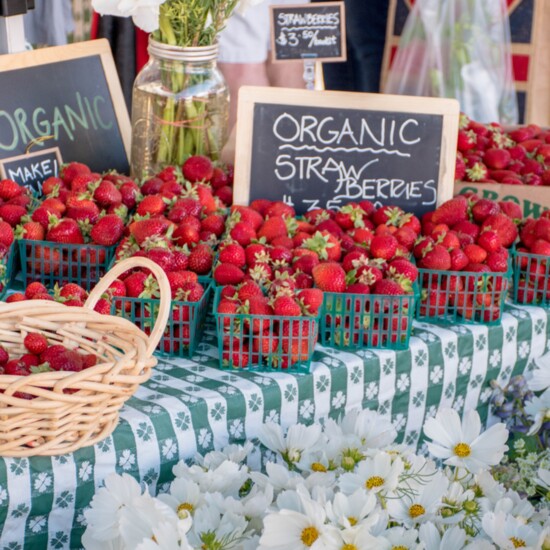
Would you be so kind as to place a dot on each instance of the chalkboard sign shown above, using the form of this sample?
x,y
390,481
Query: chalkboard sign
x,y
32,169
310,31
326,149
70,94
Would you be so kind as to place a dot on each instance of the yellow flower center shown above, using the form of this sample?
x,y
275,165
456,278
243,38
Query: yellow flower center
x,y
518,543
184,509
416,510
352,521
349,547
309,535
462,450
318,467
374,481
399,548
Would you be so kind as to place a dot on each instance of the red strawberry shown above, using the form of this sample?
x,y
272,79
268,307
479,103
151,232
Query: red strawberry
x,y
135,284
388,215
478,172
191,291
279,208
511,209
6,234
248,290
70,171
272,228
200,259
388,287
153,205
15,297
503,226
489,240
35,343
459,260
9,189
32,231
143,229
541,247
476,254
16,367
214,223
162,257
403,267
329,277
497,159
498,260
233,253
467,140
12,213
107,194
65,231
4,356
453,211
219,178
483,208
228,274
66,360
243,233
108,230
247,215
103,306
197,168
286,306
437,258
33,289
311,300
186,234
383,246
72,290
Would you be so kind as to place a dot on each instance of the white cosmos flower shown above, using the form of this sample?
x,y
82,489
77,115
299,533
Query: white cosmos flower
x,y
288,529
543,478
138,521
538,408
452,539
421,502
233,453
357,538
278,476
374,430
509,533
379,474
167,537
539,379
184,497
298,439
491,489
145,13
454,500
404,539
209,522
227,478
103,517
355,509
513,504
463,444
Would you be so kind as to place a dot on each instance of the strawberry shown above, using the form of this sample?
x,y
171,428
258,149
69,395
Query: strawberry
x,y
130,194
498,260
383,246
225,195
9,189
388,215
162,257
16,367
65,231
279,208
198,168
6,234
511,209
488,240
200,259
12,213
191,291
70,171
107,194
542,247
437,258
272,228
403,267
387,287
330,277
72,290
185,234
503,226
311,299
233,253
4,356
228,274
483,208
108,230
476,254
452,211
103,306
33,289
35,343
541,230
243,233
305,263
135,284
66,360
497,159
153,205
15,297
219,178
144,229
214,223
247,215
460,168
83,210
467,140
248,290
32,231
459,260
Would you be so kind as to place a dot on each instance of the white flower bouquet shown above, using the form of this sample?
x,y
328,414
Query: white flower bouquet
x,y
342,485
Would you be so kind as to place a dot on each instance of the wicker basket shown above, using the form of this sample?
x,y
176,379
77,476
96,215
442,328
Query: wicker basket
x,y
72,410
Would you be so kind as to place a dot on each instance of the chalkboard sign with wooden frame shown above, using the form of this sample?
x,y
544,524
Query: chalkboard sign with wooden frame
x,y
70,95
325,149
308,31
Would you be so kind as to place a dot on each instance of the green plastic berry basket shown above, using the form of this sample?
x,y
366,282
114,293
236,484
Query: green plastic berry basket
x,y
185,324
463,297
353,321
7,264
59,263
531,279
265,343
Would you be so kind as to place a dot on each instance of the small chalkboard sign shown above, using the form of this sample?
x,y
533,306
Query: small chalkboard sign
x,y
308,31
32,169
325,149
70,95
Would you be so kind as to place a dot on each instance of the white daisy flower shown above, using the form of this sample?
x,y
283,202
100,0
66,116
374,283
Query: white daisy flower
x,y
314,461
401,538
305,530
421,503
359,538
184,497
508,533
234,453
278,476
103,516
355,509
543,478
463,444
374,431
379,474
298,438
145,13
452,539
167,536
539,379
538,408
210,524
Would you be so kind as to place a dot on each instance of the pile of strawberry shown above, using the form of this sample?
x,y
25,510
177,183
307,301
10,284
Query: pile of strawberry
x,y
472,236
275,328
533,272
489,154
139,284
41,356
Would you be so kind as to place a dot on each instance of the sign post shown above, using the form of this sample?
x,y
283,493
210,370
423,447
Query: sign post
x,y
326,149
12,30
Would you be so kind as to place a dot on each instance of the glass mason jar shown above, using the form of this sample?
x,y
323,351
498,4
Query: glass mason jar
x,y
180,107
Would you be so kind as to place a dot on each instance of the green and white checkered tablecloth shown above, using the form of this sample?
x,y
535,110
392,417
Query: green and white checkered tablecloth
x,y
190,406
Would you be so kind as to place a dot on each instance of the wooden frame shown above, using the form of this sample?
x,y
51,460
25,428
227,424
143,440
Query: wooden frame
x,y
309,7
26,156
101,48
249,96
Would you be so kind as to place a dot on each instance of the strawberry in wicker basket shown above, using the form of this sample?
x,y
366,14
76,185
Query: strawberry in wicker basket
x,y
59,411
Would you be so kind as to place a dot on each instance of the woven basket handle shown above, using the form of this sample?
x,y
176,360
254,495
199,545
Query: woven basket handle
x,y
165,294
